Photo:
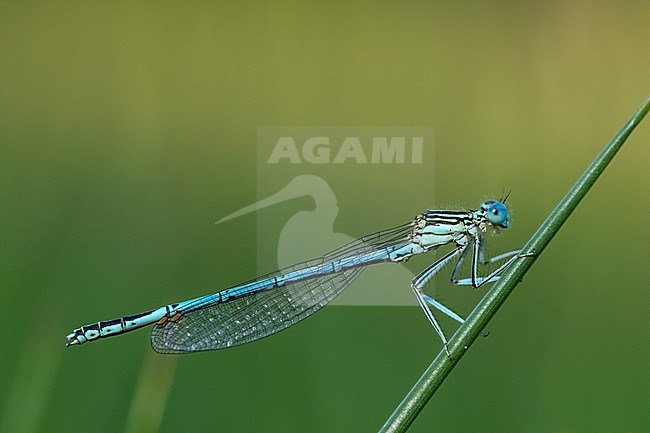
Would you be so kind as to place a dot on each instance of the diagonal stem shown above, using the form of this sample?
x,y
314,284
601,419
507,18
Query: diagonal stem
x,y
430,381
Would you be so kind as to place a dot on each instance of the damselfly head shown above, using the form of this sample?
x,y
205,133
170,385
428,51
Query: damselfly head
x,y
496,213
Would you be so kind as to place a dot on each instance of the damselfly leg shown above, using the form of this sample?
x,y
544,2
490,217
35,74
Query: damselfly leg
x,y
478,257
420,281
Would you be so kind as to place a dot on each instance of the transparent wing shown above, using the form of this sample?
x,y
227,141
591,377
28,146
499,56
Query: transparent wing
x,y
263,313
249,318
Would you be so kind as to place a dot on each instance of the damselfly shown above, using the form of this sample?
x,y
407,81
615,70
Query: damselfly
x,y
273,302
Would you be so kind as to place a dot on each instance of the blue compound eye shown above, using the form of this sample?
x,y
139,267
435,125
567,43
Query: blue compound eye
x,y
497,214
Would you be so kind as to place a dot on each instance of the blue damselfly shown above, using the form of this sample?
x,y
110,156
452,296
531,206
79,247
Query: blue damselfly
x,y
273,302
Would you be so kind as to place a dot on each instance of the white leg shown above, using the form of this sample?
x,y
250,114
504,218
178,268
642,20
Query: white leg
x,y
493,277
421,280
425,276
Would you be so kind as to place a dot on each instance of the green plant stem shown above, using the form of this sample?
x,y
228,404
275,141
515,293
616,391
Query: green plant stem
x,y
467,333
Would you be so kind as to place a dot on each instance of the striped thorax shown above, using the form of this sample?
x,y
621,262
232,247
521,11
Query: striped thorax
x,y
435,228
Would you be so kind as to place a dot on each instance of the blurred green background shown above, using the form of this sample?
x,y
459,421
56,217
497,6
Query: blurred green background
x,y
127,129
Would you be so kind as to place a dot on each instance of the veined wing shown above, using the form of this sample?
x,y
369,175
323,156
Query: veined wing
x,y
217,325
